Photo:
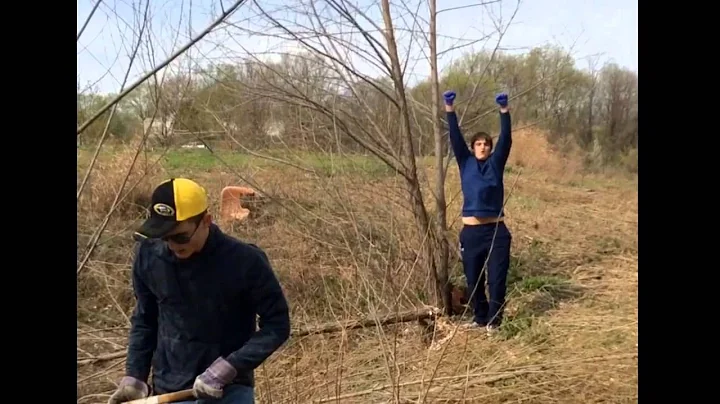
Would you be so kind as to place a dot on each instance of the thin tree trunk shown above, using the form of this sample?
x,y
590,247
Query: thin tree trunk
x,y
441,251
408,156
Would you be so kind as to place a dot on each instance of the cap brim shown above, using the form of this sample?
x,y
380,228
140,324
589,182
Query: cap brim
x,y
155,227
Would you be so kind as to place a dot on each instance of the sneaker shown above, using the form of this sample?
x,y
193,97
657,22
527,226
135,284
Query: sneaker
x,y
473,324
491,328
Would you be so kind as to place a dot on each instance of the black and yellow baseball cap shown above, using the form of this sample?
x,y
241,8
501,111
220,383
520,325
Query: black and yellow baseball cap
x,y
172,202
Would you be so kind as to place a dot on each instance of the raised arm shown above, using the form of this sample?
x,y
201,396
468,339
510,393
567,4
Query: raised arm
x,y
143,328
504,143
456,139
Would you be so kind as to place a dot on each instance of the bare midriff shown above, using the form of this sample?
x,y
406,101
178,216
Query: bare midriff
x,y
476,221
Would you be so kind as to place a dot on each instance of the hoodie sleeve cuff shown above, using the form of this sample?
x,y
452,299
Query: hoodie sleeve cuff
x,y
222,371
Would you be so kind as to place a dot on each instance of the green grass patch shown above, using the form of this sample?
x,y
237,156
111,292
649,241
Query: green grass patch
x,y
541,283
532,260
205,160
534,296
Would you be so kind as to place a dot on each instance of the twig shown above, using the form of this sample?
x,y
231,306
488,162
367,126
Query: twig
x,y
107,357
94,240
114,108
369,322
320,329
81,332
87,20
102,372
159,67
490,377
104,396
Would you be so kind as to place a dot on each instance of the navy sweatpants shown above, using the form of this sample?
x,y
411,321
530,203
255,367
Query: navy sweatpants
x,y
475,243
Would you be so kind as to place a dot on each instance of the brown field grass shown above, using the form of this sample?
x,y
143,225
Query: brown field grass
x,y
343,245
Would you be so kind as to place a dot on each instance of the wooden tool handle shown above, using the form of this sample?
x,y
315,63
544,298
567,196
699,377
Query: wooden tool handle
x,y
182,395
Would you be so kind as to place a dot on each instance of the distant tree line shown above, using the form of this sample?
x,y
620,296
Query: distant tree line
x,y
291,103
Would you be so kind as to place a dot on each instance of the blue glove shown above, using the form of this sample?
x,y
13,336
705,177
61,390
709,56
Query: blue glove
x,y
502,100
449,97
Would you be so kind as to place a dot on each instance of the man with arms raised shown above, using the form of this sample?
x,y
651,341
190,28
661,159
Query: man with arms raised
x,y
484,238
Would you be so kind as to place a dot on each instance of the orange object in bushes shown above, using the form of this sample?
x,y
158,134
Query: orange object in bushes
x,y
231,203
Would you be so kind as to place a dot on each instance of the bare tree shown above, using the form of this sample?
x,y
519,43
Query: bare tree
x,y
361,93
349,110
440,203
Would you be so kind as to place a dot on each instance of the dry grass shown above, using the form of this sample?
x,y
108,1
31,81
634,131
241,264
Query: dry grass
x,y
532,151
343,247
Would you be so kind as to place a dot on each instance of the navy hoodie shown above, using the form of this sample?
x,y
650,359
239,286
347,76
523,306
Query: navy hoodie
x,y
481,181
190,312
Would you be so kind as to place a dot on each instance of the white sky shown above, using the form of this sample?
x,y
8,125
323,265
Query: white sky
x,y
591,27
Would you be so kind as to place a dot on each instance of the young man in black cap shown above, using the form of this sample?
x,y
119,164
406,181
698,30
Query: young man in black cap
x,y
198,293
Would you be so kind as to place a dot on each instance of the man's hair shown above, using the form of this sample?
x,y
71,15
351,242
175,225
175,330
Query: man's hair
x,y
481,135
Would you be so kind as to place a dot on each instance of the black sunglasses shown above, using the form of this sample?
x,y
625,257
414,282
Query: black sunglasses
x,y
181,238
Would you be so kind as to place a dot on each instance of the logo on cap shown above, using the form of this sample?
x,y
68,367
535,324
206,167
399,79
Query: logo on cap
x,y
163,209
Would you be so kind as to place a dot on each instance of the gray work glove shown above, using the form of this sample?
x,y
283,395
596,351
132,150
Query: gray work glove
x,y
210,384
129,389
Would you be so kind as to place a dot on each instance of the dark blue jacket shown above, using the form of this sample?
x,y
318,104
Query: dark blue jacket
x,y
482,181
190,312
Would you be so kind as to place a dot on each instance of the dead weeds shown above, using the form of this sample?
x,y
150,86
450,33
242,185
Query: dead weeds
x,y
344,248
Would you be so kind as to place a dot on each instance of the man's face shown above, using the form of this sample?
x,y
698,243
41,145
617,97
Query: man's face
x,y
188,238
482,149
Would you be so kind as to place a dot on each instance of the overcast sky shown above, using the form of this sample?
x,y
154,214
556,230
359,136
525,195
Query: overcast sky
x,y
607,28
